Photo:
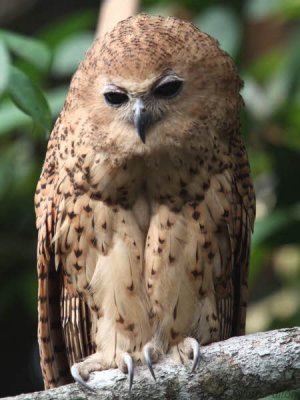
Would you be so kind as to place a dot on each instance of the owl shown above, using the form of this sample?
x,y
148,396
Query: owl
x,y
145,205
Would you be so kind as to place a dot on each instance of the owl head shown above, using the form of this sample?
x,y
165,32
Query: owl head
x,y
156,82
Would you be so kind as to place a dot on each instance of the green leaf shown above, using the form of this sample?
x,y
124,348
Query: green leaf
x,y
29,98
4,65
12,117
70,52
221,23
31,50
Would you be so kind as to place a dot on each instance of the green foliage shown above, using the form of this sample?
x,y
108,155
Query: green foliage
x,y
258,10
31,50
4,65
271,93
26,95
70,52
29,98
34,77
222,23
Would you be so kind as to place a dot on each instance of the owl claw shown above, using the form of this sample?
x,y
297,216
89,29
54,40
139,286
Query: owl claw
x,y
130,368
196,353
76,375
147,356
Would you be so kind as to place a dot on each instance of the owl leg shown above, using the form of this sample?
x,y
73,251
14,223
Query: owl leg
x,y
187,349
81,371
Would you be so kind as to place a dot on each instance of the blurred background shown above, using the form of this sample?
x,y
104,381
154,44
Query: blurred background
x,y
41,44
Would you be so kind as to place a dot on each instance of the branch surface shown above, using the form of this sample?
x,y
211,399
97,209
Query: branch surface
x,y
245,367
113,11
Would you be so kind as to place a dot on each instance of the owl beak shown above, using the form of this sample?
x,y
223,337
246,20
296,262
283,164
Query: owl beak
x,y
141,118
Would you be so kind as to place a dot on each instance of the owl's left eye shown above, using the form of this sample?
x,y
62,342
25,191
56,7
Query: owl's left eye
x,y
168,89
116,98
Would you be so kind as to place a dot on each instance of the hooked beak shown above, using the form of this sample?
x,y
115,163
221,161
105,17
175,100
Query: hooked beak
x,y
141,119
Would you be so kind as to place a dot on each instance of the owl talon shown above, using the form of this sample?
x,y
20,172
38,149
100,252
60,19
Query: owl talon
x,y
77,377
148,359
130,368
196,353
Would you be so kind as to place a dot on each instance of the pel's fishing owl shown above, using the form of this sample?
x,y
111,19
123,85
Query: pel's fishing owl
x,y
144,206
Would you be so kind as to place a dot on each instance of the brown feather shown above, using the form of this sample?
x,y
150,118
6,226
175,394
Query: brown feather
x,y
138,241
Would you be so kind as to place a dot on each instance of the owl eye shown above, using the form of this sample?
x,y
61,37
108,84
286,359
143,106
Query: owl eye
x,y
116,98
168,89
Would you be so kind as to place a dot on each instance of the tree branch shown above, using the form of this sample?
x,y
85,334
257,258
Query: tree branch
x,y
246,367
113,11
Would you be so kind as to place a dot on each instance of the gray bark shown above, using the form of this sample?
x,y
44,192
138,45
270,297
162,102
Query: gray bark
x,y
246,367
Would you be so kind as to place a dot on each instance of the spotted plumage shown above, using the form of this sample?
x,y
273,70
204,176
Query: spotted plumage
x,y
145,204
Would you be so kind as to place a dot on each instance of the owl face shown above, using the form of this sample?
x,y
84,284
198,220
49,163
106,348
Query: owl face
x,y
144,107
156,82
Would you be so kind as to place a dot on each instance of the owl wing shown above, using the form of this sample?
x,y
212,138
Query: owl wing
x,y
63,326
232,288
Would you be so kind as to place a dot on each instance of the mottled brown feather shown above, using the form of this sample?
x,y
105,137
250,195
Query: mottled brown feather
x,y
144,242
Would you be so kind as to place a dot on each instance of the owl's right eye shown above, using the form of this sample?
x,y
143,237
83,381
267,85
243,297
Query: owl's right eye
x,y
116,99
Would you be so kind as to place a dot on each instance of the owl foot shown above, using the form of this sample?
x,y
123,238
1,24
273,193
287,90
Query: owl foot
x,y
81,371
188,348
